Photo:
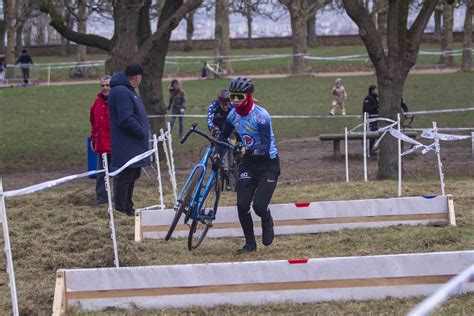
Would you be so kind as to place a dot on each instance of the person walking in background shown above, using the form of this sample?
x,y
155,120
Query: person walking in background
x,y
339,95
3,66
25,61
100,135
177,104
129,134
371,106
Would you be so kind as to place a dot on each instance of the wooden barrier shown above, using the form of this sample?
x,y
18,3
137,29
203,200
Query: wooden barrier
x,y
314,217
259,282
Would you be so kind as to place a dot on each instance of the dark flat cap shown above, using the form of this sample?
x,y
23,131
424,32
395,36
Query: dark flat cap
x,y
133,70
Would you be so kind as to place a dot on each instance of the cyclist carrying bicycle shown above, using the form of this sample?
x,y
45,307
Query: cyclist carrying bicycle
x,y
260,166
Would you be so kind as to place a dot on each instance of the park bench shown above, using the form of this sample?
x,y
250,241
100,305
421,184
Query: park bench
x,y
337,138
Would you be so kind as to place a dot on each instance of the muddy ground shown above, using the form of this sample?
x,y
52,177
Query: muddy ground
x,y
306,160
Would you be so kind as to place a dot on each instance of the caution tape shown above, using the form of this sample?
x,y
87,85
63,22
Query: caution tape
x,y
49,184
432,134
132,161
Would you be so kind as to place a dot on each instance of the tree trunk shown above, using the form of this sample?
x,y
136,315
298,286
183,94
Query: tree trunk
x,y
467,40
81,28
391,91
447,41
19,39
222,40
298,29
126,41
249,18
10,15
189,31
382,11
312,37
437,24
2,36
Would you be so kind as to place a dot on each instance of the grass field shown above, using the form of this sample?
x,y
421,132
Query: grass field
x,y
191,67
43,137
46,127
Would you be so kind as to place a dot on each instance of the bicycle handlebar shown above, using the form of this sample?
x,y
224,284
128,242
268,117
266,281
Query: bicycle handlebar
x,y
193,129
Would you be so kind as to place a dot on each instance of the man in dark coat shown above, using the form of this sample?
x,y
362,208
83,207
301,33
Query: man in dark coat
x,y
129,134
25,61
371,106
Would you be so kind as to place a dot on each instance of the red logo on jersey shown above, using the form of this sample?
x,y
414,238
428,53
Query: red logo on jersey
x,y
248,140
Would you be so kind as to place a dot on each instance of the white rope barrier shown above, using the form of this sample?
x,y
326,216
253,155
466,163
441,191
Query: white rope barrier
x,y
132,161
110,209
49,184
449,289
331,116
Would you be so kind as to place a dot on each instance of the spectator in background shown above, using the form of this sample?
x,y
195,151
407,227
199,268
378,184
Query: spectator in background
x,y
371,106
339,95
177,104
25,61
129,134
100,135
3,66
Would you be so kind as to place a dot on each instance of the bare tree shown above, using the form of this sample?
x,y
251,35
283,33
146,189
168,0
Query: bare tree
x,y
391,66
300,11
2,28
221,34
466,63
133,41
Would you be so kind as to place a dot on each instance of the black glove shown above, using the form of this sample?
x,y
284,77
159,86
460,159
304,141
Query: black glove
x,y
215,132
216,162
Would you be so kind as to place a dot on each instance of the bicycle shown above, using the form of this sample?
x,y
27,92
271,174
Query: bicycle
x,y
199,197
82,70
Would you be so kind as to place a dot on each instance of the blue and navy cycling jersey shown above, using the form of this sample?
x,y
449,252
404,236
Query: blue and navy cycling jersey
x,y
216,116
255,130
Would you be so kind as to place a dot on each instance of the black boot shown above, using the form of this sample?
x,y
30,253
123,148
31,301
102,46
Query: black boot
x,y
248,247
267,231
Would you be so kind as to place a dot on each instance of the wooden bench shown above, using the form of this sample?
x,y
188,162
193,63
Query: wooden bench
x,y
336,138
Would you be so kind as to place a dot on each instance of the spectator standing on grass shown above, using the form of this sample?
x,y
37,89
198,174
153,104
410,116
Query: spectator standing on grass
x,y
260,166
177,104
25,61
100,135
339,95
3,66
129,134
371,106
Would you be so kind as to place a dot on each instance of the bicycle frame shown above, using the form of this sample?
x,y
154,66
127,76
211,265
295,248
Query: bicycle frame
x,y
198,198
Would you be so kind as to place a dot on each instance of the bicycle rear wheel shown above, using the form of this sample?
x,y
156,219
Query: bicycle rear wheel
x,y
184,204
199,228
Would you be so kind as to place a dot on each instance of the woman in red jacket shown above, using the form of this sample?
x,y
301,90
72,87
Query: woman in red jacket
x,y
100,134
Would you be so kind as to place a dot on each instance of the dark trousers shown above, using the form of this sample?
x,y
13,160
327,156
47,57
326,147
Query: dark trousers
x,y
181,127
373,127
26,74
124,184
257,181
100,192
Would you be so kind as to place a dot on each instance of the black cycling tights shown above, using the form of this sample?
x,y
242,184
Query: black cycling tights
x,y
257,181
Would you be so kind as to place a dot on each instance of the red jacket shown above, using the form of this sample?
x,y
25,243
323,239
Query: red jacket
x,y
100,125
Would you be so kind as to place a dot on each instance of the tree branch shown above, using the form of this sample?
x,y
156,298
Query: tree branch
x,y
166,27
368,32
418,27
58,24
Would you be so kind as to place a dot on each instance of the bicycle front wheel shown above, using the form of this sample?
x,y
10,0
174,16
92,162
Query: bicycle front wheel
x,y
200,227
183,205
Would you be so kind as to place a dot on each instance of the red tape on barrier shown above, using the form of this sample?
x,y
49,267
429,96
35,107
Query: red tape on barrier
x,y
302,204
297,261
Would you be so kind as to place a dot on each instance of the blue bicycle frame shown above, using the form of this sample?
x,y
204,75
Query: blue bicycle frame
x,y
200,195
